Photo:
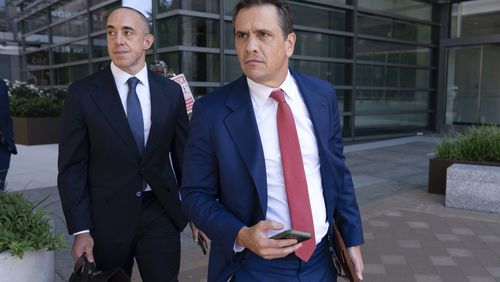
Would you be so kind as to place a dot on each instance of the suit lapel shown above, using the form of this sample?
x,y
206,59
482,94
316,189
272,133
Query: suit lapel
x,y
160,107
108,101
243,129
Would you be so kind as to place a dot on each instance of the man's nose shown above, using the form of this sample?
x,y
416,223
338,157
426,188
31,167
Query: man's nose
x,y
252,44
119,39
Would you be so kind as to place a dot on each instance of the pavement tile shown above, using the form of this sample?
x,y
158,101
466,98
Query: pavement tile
x,y
372,268
394,259
442,260
480,279
494,271
427,278
457,252
409,244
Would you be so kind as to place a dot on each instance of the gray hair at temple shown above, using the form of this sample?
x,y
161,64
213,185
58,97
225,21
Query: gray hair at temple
x,y
284,14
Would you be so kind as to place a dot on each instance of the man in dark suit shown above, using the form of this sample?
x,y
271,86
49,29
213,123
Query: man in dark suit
x,y
239,185
7,145
118,185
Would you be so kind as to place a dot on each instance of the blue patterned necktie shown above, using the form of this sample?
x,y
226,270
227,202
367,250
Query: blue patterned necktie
x,y
134,113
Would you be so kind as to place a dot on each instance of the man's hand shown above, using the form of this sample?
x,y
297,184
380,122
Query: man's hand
x,y
84,243
357,260
198,234
255,239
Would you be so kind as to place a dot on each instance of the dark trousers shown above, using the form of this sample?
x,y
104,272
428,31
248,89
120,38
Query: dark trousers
x,y
156,247
4,165
319,268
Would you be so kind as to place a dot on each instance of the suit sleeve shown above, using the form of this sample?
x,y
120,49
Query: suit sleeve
x,y
346,211
200,187
7,133
72,165
180,136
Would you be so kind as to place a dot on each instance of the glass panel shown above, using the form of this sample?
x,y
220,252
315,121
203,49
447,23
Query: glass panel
x,y
321,17
408,8
37,59
490,86
343,100
336,73
381,76
67,75
167,5
200,32
37,40
67,9
378,51
168,32
75,51
229,7
70,30
36,21
100,16
172,60
201,6
143,6
394,29
201,66
323,45
99,47
475,18
391,101
389,124
463,85
229,35
232,68
3,23
41,77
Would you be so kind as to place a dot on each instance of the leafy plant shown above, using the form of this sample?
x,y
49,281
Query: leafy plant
x,y
24,226
480,144
27,100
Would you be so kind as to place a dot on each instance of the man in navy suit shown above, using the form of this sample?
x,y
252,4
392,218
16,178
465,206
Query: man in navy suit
x,y
235,186
7,145
118,185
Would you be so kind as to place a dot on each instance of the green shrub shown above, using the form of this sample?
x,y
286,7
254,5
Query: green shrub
x,y
27,100
480,144
24,226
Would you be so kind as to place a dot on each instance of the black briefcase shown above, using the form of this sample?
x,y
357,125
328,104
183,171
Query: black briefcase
x,y
85,271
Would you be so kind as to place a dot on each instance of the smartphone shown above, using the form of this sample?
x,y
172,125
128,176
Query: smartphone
x,y
293,234
201,243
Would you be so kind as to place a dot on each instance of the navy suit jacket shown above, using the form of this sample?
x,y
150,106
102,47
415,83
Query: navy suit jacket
x,y
6,132
224,184
100,167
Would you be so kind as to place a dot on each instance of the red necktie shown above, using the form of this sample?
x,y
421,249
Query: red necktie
x,y
295,176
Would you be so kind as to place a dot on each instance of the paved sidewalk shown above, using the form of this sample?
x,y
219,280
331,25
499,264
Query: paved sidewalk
x,y
410,235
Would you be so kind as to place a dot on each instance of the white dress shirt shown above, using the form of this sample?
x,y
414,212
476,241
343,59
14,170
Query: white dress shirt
x,y
265,109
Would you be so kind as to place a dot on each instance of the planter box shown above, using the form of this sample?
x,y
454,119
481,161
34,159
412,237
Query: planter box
x,y
36,130
473,187
437,173
34,266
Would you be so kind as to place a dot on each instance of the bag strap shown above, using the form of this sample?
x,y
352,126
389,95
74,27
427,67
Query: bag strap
x,y
85,267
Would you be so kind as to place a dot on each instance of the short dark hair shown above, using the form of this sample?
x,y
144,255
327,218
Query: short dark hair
x,y
285,16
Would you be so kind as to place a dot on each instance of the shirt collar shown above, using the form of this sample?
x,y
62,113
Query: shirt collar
x,y
260,93
121,76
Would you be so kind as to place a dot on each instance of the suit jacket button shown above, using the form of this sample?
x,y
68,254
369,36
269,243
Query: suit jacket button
x,y
138,194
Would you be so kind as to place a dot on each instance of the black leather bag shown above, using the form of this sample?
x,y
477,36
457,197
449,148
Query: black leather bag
x,y
85,271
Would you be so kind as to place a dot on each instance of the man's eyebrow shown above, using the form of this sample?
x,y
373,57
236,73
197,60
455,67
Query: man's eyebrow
x,y
124,27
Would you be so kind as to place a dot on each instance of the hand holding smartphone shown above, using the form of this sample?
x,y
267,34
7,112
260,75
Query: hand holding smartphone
x,y
293,234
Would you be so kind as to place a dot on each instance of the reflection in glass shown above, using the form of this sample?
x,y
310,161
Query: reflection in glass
x,y
36,21
391,100
232,68
323,45
99,47
167,5
70,30
378,51
475,18
381,76
229,7
321,17
168,32
229,35
37,40
37,59
408,8
200,32
395,29
67,9
490,86
40,77
173,61
76,51
201,66
201,6
100,16
335,73
67,75
366,125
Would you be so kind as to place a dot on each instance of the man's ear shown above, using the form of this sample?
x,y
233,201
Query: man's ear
x,y
290,44
148,41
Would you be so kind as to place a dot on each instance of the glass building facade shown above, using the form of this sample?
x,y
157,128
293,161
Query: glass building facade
x,y
382,56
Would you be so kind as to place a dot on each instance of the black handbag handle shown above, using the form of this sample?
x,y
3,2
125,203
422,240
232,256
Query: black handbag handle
x,y
83,266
